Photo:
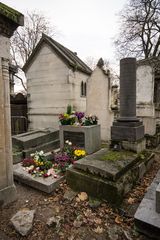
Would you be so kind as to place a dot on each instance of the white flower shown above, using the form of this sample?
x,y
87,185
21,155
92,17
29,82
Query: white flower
x,y
30,167
41,153
67,141
70,143
36,157
32,154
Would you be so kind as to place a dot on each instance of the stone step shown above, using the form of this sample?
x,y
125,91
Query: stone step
x,y
33,139
46,147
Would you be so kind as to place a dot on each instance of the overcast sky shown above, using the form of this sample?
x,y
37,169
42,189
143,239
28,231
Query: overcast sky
x,y
86,26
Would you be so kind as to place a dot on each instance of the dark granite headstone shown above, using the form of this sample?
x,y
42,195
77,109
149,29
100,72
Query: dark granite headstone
x,y
128,126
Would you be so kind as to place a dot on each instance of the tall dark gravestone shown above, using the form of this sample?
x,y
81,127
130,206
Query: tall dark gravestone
x,y
127,127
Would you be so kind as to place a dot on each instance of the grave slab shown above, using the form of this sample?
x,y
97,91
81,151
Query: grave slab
x,y
106,179
110,169
147,220
35,138
47,185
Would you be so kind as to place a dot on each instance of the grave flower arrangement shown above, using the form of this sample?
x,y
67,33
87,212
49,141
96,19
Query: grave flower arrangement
x,y
39,166
71,117
68,156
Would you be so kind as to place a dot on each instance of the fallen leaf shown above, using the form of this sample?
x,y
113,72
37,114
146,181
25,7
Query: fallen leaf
x,y
131,200
98,221
98,230
83,196
118,220
77,223
77,199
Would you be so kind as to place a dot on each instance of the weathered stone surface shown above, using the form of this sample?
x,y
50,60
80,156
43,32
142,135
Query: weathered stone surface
x,y
70,195
108,169
127,127
7,195
158,198
99,100
47,185
136,146
49,146
108,180
127,133
91,140
17,157
98,187
23,221
10,20
35,138
146,218
7,27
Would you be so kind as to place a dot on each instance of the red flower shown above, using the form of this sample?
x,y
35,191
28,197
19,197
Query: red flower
x,y
45,175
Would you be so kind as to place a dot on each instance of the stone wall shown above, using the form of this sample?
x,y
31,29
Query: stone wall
x,y
75,79
145,97
51,87
98,100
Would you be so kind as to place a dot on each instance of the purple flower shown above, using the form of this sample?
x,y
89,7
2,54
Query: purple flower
x,y
79,115
61,157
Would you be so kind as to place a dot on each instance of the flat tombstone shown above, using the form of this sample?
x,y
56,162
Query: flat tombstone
x,y
10,19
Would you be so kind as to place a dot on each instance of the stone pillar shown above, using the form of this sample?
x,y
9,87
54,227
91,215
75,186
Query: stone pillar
x,y
128,90
128,129
10,19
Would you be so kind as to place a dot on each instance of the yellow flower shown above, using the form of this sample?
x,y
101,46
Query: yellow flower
x,y
66,115
79,152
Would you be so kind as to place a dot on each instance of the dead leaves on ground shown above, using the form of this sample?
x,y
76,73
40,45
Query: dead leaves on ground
x,y
82,196
118,220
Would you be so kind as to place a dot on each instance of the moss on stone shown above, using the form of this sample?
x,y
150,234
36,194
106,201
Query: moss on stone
x,y
10,13
117,155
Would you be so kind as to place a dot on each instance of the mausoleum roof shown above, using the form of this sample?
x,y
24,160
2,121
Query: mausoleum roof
x,y
69,57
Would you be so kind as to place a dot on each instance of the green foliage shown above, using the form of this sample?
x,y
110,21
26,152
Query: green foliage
x,y
69,109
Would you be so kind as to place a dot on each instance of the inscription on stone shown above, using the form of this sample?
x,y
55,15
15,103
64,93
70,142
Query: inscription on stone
x,y
77,138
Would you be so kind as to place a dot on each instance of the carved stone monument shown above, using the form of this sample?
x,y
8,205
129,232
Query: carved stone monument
x,y
10,19
128,129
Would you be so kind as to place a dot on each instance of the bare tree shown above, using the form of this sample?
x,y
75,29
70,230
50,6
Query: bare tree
x,y
92,63
140,29
26,38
